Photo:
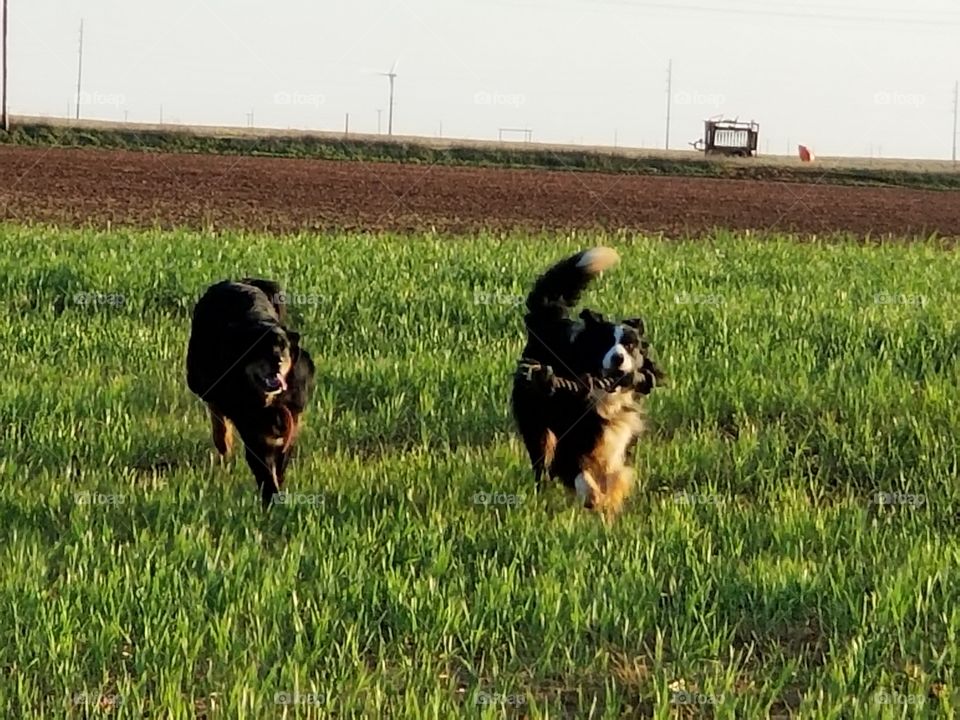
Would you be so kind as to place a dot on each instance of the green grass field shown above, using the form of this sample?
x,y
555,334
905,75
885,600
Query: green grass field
x,y
791,548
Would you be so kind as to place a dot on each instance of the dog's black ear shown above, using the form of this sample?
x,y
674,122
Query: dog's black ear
x,y
590,316
636,324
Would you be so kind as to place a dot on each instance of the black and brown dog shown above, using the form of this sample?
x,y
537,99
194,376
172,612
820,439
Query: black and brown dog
x,y
250,370
582,438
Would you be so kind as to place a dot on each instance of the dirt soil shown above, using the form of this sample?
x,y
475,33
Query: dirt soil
x,y
101,187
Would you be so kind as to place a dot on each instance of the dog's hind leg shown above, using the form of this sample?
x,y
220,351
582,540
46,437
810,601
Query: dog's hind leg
x,y
221,430
540,444
533,424
549,448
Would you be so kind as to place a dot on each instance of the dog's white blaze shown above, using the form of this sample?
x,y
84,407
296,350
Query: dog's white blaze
x,y
618,349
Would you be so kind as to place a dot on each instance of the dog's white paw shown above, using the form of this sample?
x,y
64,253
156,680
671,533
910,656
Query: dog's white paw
x,y
586,490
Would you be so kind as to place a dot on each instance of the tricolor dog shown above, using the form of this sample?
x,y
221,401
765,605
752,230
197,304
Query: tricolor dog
x,y
248,367
582,438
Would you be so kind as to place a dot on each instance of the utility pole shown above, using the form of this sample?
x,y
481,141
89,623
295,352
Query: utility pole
x,y
79,68
3,109
392,76
669,99
956,112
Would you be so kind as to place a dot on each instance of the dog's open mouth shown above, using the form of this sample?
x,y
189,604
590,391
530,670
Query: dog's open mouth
x,y
616,374
274,383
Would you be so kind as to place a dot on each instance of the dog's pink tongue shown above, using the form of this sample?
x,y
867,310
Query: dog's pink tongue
x,y
275,383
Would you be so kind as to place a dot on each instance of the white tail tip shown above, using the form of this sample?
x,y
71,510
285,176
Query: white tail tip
x,y
598,259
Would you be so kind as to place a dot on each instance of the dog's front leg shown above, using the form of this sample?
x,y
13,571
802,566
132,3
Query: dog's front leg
x,y
587,489
221,431
292,428
618,486
262,462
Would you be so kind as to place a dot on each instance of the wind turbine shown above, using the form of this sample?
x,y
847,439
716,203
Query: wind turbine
x,y
393,76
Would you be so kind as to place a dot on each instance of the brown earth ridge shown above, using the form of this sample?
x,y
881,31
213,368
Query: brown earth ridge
x,y
126,188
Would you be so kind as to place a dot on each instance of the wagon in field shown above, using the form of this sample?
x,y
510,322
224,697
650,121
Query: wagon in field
x,y
729,137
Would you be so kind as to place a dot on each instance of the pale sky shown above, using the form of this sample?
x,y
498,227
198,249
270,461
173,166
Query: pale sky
x,y
847,78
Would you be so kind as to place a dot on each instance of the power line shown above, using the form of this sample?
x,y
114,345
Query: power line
x,y
791,13
796,14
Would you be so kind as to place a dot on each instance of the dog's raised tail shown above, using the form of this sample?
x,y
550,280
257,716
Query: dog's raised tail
x,y
565,282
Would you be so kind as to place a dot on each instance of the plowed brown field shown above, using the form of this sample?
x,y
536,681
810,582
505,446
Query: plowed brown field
x,y
86,186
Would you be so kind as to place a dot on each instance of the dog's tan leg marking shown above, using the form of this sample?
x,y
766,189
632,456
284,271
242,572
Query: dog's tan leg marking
x,y
222,431
619,485
291,429
549,447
